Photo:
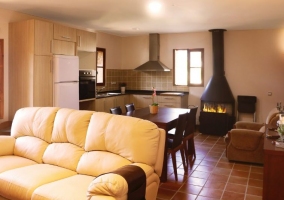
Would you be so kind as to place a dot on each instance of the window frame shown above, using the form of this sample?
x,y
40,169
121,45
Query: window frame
x,y
104,65
188,67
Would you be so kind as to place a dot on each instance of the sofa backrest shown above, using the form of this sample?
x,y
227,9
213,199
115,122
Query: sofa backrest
x,y
273,117
68,138
125,139
32,127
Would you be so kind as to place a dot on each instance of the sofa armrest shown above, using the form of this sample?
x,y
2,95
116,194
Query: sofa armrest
x,y
245,139
127,182
7,144
248,125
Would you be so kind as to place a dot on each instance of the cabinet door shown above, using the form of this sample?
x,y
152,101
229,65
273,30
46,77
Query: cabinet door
x,y
120,101
64,33
43,37
43,81
109,103
86,41
63,48
100,105
145,100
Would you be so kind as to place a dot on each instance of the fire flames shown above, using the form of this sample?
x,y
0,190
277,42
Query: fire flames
x,y
217,108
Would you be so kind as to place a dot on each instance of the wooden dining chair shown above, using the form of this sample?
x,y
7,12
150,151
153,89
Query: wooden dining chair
x,y
129,107
188,137
116,110
176,143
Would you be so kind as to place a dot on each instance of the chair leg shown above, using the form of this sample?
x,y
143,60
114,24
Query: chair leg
x,y
173,154
182,153
186,152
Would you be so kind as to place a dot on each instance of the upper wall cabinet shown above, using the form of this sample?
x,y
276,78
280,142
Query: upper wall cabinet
x,y
43,37
86,41
64,33
64,42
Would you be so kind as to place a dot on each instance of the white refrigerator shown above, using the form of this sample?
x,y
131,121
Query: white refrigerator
x,y
66,81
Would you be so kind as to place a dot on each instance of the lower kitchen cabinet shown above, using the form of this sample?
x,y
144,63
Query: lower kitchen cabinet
x,y
141,101
104,104
173,101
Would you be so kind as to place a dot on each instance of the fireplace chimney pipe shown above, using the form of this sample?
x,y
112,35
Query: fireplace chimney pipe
x,y
218,51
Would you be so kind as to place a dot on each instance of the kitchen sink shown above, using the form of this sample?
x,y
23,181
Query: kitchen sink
x,y
107,94
113,93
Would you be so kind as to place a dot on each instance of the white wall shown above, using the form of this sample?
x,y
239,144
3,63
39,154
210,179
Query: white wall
x,y
112,44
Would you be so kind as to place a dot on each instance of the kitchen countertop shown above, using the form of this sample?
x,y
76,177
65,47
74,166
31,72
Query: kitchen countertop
x,y
106,94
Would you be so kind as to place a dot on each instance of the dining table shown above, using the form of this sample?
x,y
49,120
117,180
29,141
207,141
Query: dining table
x,y
166,118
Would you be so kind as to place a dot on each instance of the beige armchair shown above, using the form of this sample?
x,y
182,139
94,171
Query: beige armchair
x,y
245,141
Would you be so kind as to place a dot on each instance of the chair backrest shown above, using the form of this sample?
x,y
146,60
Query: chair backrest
x,y
129,107
191,121
116,110
180,128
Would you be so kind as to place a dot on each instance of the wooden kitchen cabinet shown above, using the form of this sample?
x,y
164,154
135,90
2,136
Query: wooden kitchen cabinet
x,y
171,101
105,104
141,101
30,76
64,40
43,76
43,37
86,41
65,33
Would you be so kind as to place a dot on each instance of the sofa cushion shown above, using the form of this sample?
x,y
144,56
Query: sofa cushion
x,y
71,126
63,154
21,182
71,188
34,121
95,163
68,138
30,147
125,136
12,162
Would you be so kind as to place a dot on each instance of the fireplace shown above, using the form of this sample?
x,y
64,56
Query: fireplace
x,y
217,113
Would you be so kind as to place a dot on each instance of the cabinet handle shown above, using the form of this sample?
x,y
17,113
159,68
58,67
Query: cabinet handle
x,y
169,98
50,67
51,45
147,97
66,37
171,106
79,41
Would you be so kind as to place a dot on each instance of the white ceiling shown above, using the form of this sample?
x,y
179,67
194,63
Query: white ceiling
x,y
123,17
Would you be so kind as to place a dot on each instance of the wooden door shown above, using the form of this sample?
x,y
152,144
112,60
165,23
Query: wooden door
x,y
86,41
43,81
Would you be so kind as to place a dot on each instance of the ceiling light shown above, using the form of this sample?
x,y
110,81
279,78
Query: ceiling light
x,y
154,6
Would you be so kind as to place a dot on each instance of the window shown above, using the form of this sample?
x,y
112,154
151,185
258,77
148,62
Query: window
x,y
189,67
101,65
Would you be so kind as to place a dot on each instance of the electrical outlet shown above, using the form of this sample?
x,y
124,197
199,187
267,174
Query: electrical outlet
x,y
113,83
269,93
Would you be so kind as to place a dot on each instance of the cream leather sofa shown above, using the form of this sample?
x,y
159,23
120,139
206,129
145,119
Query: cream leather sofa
x,y
67,154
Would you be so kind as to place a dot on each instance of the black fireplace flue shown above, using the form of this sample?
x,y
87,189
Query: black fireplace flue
x,y
217,111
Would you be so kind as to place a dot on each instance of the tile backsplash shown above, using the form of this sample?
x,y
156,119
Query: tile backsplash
x,y
138,80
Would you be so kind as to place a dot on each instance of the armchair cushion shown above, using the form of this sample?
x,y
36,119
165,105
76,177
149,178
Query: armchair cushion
x,y
248,125
245,139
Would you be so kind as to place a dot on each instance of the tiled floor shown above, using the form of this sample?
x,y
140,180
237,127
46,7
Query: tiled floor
x,y
212,176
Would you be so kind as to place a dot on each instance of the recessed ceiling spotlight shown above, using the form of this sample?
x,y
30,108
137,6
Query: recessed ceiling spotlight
x,y
155,6
135,29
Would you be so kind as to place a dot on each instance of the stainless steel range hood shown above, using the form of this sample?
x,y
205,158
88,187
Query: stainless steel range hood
x,y
154,63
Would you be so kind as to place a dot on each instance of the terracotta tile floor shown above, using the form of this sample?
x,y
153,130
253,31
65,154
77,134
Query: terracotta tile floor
x,y
212,176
